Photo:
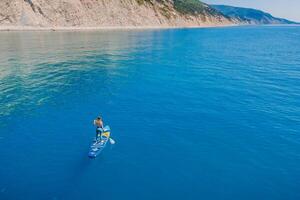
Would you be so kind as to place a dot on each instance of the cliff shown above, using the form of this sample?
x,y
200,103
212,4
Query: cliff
x,y
251,16
109,13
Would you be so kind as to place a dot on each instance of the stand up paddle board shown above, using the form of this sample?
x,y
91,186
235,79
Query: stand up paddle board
x,y
97,146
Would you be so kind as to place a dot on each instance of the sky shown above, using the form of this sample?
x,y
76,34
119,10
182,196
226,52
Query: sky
x,y
289,9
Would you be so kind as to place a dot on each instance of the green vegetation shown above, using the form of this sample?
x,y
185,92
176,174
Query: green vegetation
x,y
196,7
141,2
189,7
193,7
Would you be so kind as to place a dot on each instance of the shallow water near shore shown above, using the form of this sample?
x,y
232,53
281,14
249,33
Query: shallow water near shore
x,y
196,114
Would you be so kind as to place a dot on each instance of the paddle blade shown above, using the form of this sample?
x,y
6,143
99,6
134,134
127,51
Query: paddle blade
x,y
112,141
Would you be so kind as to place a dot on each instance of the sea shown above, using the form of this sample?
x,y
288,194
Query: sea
x,y
208,113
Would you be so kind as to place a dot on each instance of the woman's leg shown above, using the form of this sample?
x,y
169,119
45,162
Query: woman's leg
x,y
98,133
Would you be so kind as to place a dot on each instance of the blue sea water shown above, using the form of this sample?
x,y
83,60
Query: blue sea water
x,y
196,114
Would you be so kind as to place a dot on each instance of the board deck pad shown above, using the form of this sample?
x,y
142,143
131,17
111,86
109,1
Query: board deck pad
x,y
97,146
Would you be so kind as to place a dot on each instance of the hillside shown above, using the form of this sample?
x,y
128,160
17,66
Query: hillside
x,y
109,13
250,16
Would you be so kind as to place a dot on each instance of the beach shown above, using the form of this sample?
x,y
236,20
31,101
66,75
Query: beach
x,y
76,28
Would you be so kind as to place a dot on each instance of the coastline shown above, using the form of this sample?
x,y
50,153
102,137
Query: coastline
x,y
107,28
104,28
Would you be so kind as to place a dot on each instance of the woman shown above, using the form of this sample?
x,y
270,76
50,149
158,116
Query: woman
x,y
99,127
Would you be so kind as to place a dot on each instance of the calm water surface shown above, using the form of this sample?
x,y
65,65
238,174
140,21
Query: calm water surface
x,y
196,114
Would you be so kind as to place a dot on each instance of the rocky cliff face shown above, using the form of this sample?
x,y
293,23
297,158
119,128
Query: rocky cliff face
x,y
95,13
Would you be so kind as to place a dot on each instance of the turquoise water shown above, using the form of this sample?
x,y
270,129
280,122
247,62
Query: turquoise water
x,y
196,114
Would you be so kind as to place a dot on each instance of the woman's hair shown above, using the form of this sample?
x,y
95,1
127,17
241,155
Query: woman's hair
x,y
99,118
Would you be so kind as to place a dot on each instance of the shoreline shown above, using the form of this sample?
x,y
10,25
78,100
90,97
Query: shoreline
x,y
107,28
104,28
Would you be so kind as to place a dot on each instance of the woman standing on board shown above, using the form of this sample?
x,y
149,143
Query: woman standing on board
x,y
99,127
